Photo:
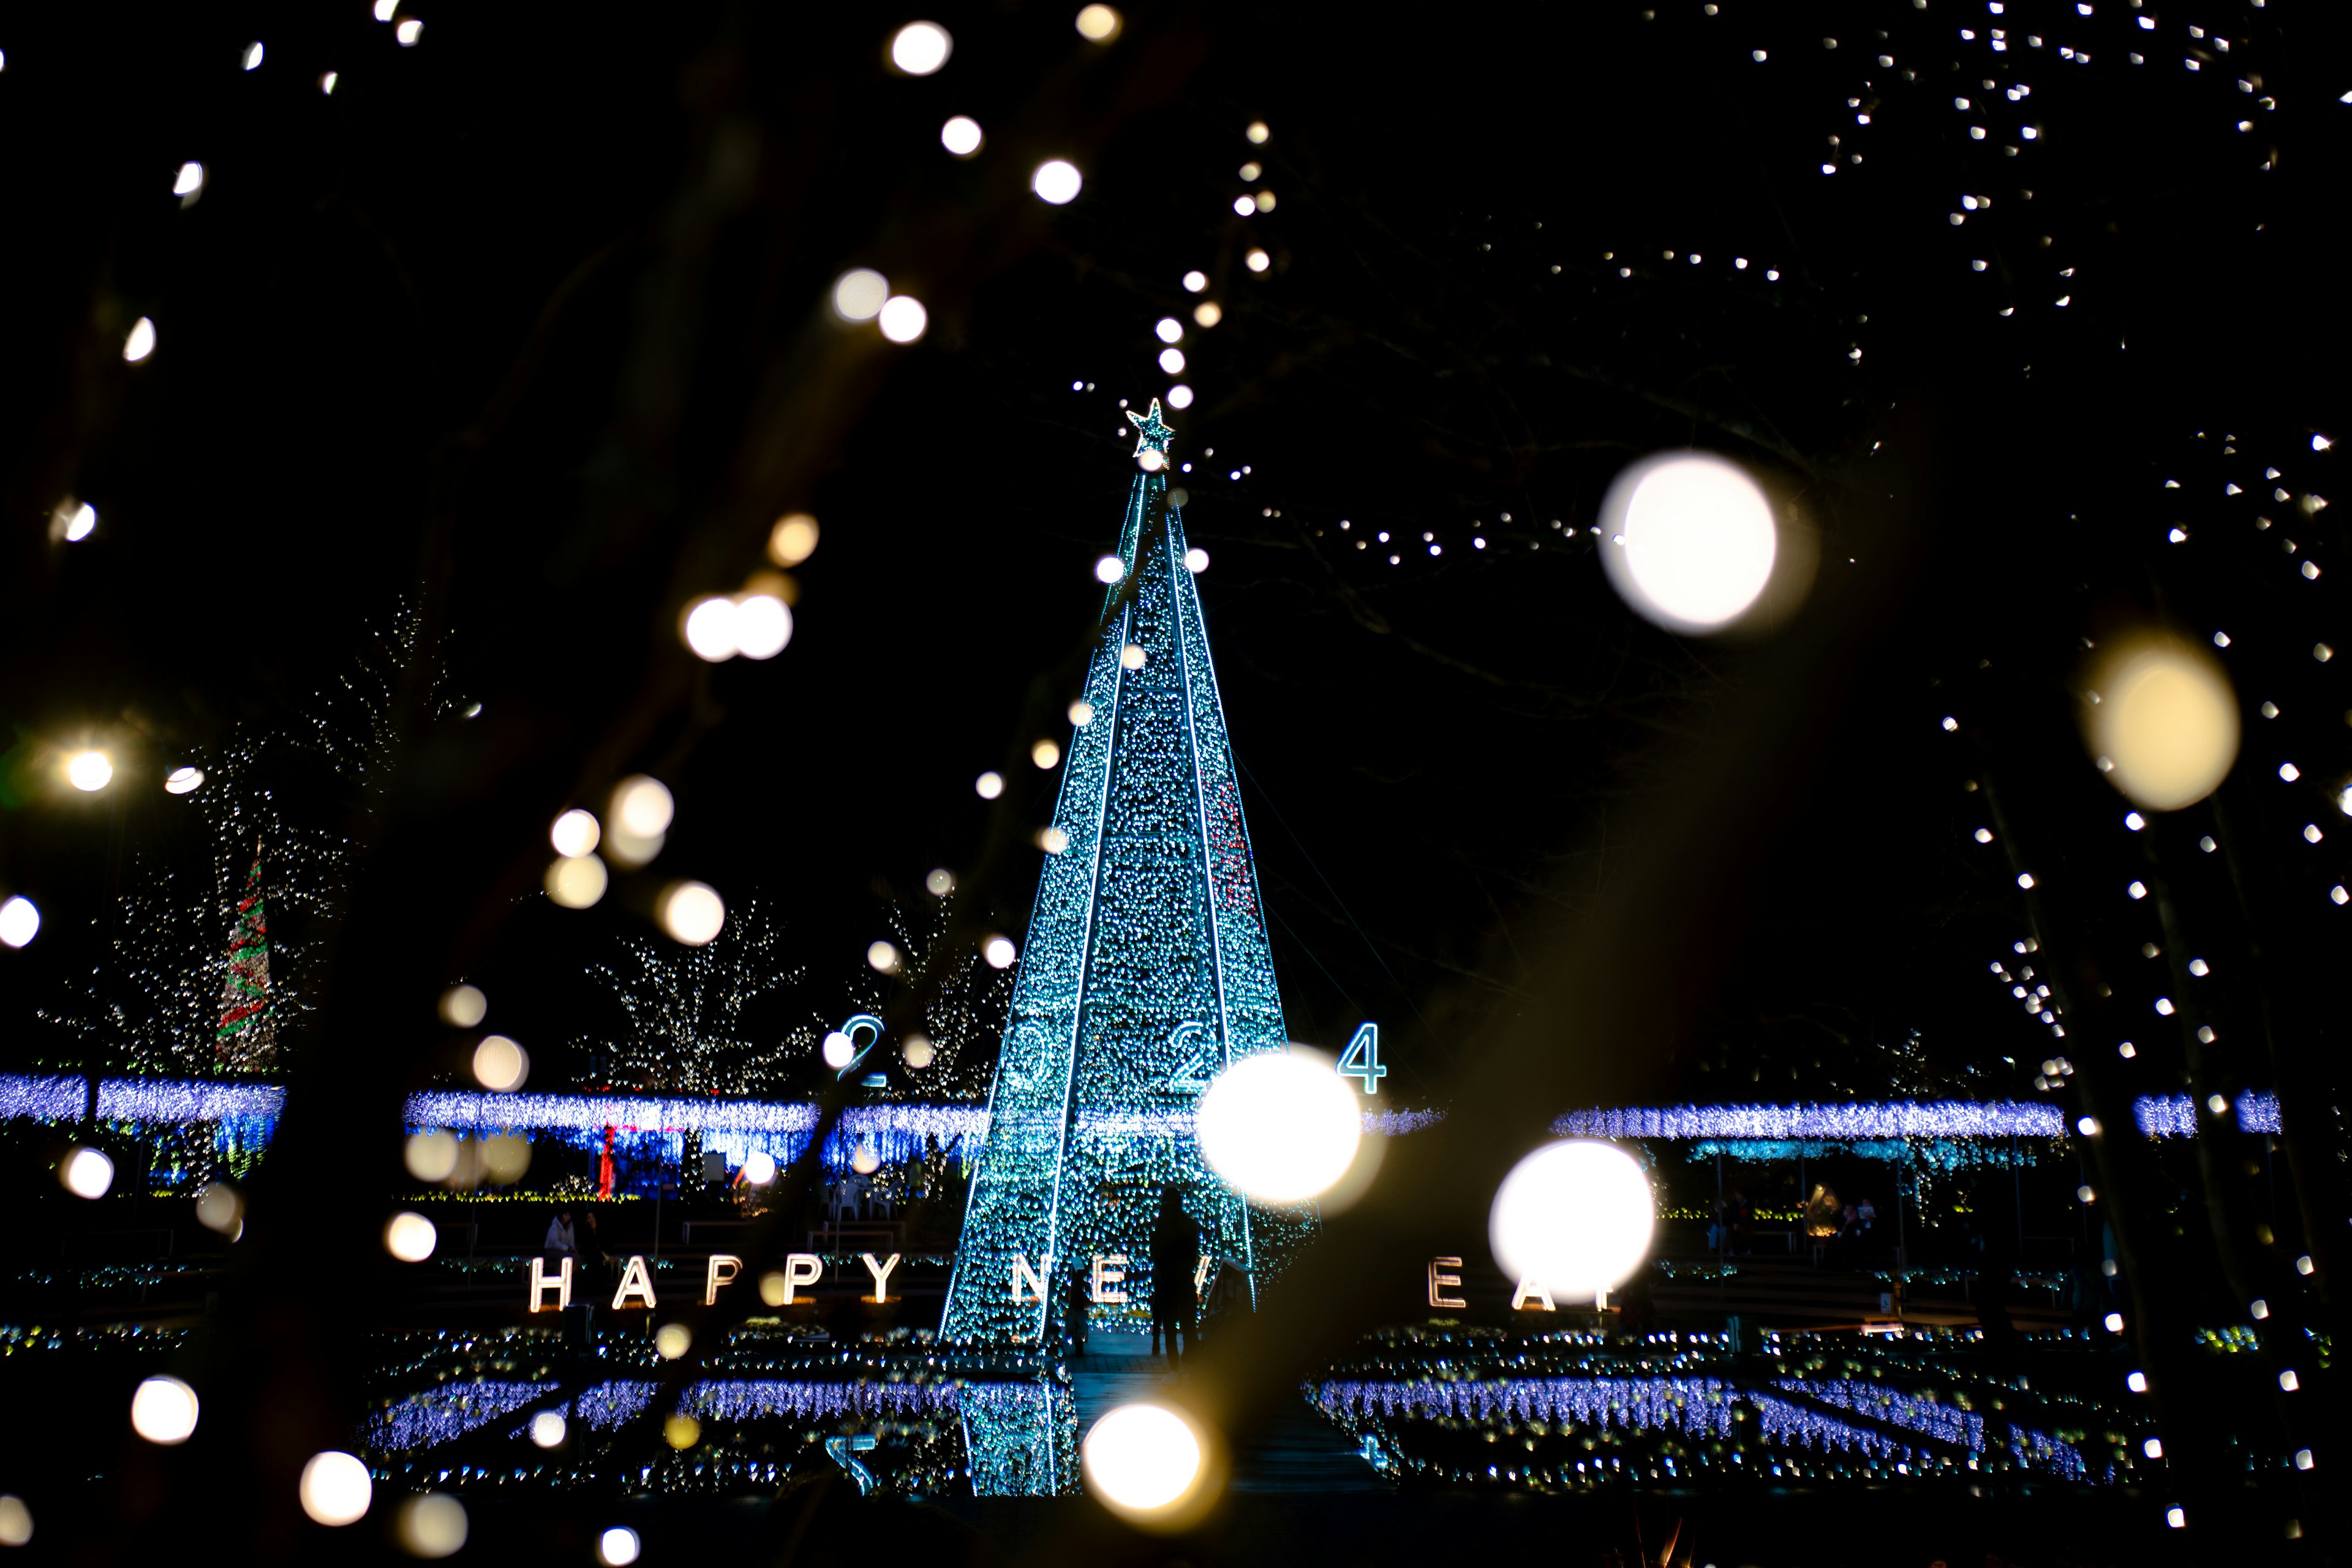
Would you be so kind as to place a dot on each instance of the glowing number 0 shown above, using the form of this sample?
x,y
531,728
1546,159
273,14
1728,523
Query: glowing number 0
x,y
1362,1058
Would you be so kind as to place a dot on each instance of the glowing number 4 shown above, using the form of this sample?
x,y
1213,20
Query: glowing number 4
x,y
1361,1060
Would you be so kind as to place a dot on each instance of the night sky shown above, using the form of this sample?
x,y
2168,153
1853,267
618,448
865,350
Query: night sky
x,y
537,280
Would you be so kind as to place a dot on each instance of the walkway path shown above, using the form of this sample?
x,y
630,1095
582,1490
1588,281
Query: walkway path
x,y
1297,1451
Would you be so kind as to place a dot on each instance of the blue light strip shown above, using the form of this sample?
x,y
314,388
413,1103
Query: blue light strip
x,y
1934,1119
2175,1115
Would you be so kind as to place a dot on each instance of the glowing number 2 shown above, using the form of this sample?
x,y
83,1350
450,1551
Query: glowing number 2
x,y
843,1451
1362,1058
850,1027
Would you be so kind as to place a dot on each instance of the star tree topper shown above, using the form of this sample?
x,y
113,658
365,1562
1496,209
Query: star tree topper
x,y
1152,432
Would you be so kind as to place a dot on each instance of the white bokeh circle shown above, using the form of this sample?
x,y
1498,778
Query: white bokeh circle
x,y
1574,1217
1688,540
1280,1127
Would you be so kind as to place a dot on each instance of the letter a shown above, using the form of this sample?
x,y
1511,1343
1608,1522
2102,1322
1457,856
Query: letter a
x,y
635,1281
1528,1290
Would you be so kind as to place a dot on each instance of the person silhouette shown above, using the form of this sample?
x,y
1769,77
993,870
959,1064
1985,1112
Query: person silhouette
x,y
1175,1253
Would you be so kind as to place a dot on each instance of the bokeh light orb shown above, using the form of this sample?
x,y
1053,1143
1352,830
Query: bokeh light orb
x,y
617,1547
336,1488
577,882
219,1208
1056,182
86,1174
858,296
999,951
575,832
2163,719
499,1064
643,806
1142,1458
763,626
760,1167
163,1411
1574,1217
20,921
463,1006
431,1525
962,135
410,1237
547,1429
1688,540
1281,1126
793,538
708,629
918,1052
692,913
918,48
16,1521
1099,24
671,1341
903,319
184,779
90,772
838,1050
430,1156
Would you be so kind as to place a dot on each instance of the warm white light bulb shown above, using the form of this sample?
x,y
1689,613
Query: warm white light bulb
x,y
1056,182
903,319
336,1488
20,921
1689,540
1142,1457
499,1064
708,629
2165,719
858,294
763,626
86,1174
1281,1126
692,913
163,1411
140,341
1574,1217
918,48
962,136
410,1237
575,832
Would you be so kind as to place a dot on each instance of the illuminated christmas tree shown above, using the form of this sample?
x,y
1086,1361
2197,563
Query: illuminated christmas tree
x,y
1146,970
246,1040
